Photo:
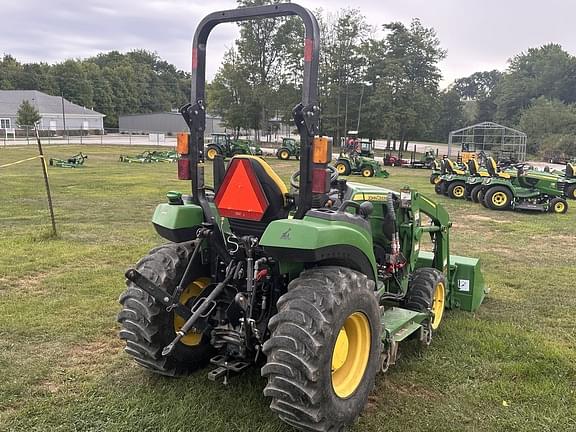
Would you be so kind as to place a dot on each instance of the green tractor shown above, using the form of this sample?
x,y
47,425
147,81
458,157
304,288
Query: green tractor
x,y
567,180
452,181
318,287
223,145
522,190
357,158
352,164
289,148
75,161
474,182
437,172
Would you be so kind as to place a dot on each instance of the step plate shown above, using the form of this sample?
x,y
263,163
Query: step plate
x,y
401,323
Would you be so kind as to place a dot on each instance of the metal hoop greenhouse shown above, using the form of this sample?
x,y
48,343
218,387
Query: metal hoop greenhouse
x,y
491,138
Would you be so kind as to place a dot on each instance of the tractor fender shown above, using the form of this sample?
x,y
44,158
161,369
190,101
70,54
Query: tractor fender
x,y
314,240
178,223
491,182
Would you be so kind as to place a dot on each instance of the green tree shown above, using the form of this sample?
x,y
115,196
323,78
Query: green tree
x,y
27,114
547,71
450,116
403,69
341,69
550,124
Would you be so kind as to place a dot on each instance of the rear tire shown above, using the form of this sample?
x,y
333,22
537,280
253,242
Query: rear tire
x,y
475,192
571,191
283,154
457,190
309,362
211,153
146,326
439,187
434,178
343,168
498,198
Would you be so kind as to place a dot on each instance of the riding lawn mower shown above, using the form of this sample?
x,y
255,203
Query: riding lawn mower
x,y
317,286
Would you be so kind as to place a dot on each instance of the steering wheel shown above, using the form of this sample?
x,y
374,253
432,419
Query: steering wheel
x,y
295,178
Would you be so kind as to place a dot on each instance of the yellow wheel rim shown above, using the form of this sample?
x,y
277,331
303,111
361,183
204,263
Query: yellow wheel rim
x,y
459,191
191,291
574,194
212,153
438,304
341,168
559,207
284,154
367,173
499,199
436,180
350,354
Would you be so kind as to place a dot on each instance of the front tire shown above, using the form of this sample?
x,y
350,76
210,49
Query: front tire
x,y
427,292
558,206
367,172
323,353
146,326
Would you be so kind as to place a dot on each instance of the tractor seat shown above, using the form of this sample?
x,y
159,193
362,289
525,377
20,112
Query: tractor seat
x,y
570,170
493,169
452,169
474,169
251,196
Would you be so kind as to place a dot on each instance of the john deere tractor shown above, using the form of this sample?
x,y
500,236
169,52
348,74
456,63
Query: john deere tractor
x,y
522,190
289,148
222,144
452,181
317,287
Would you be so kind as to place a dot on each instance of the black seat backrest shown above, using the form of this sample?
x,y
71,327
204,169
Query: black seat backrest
x,y
443,167
271,185
570,170
473,167
492,167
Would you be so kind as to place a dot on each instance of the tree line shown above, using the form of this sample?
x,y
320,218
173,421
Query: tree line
x,y
111,83
383,81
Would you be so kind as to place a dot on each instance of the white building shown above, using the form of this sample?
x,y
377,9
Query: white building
x,y
54,111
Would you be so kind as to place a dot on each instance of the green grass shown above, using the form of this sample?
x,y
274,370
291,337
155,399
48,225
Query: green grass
x,y
509,367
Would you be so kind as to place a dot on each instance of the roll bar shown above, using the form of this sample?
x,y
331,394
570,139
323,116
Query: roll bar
x,y
306,113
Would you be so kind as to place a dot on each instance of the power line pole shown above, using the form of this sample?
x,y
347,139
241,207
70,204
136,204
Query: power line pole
x,y
63,112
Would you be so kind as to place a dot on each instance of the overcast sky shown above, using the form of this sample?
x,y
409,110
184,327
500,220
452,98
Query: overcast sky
x,y
478,35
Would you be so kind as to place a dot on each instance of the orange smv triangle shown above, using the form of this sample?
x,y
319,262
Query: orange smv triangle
x,y
241,196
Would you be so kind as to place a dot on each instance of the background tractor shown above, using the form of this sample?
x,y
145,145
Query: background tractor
x,y
222,144
317,286
352,162
289,148
522,190
452,181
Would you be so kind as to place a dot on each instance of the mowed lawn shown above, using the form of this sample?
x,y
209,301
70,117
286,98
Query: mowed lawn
x,y
509,367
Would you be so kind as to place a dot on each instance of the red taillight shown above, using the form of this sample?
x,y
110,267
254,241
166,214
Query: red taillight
x,y
184,169
320,180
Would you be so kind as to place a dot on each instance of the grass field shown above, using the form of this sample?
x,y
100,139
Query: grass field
x,y
509,367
